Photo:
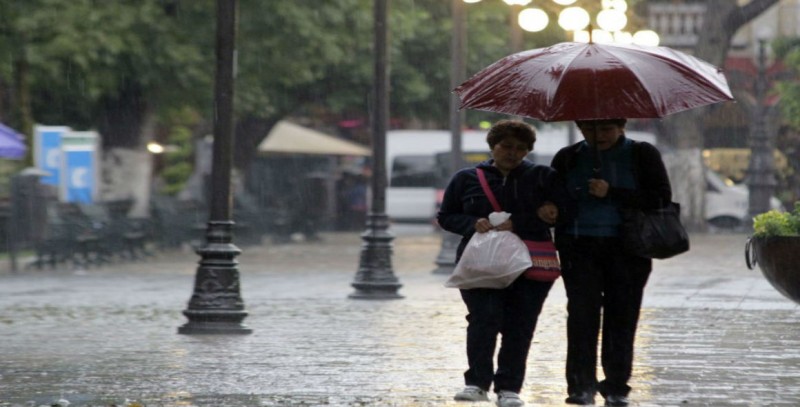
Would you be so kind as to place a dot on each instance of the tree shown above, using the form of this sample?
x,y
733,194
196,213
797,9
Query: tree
x,y
720,23
109,66
314,58
788,51
126,67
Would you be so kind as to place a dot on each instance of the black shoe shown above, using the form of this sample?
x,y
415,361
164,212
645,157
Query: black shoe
x,y
581,398
616,400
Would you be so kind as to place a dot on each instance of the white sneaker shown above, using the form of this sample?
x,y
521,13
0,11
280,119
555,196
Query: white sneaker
x,y
471,393
509,399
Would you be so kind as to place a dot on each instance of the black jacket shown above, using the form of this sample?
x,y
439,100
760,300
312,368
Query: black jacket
x,y
521,193
653,188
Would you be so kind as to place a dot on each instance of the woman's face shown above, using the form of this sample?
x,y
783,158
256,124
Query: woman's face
x,y
508,154
603,135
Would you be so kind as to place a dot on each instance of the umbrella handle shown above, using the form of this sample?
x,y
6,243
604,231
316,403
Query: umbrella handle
x,y
598,162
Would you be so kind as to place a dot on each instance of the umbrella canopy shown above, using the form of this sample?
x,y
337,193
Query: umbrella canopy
x,y
287,137
12,144
583,81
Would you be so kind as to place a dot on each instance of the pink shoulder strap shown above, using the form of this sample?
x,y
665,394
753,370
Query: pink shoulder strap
x,y
487,191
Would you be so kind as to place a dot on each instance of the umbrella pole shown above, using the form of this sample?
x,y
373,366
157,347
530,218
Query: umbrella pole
x,y
597,160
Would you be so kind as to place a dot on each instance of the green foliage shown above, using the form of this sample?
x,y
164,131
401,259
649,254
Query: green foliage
x,y
776,223
82,54
87,58
788,50
175,177
178,160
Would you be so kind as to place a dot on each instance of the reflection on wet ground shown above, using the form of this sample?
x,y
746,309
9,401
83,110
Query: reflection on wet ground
x,y
714,334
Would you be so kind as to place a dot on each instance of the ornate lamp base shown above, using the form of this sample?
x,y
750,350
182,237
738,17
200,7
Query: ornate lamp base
x,y
375,279
216,306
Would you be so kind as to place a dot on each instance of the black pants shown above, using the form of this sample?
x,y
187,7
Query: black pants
x,y
511,312
603,284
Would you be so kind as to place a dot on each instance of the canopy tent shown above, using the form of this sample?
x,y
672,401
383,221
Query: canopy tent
x,y
286,137
12,144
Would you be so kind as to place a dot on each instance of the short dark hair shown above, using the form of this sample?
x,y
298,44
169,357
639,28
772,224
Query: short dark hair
x,y
516,129
598,122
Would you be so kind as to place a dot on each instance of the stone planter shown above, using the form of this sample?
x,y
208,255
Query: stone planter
x,y
778,257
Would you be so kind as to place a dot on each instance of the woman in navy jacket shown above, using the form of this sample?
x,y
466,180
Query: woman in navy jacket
x,y
604,173
535,198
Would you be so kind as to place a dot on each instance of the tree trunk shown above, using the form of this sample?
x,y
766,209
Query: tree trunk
x,y
685,164
22,102
127,172
250,132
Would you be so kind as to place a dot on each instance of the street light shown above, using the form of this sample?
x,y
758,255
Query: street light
x,y
760,173
446,259
533,19
573,19
375,279
216,306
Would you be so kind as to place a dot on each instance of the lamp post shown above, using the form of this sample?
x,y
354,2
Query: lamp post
x,y
446,259
760,173
375,278
216,306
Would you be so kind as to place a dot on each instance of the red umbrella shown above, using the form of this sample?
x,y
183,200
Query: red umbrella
x,y
572,81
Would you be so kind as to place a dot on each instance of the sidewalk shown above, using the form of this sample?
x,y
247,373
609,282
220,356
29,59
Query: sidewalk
x,y
712,333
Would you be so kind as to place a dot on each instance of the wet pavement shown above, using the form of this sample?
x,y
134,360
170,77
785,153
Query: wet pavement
x,y
712,333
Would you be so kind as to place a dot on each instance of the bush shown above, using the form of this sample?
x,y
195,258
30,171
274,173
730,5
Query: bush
x,y
775,223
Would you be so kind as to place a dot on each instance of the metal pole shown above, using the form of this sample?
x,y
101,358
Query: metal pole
x,y
515,37
458,73
375,278
760,173
446,259
216,306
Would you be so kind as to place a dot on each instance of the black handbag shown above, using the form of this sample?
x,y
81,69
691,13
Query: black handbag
x,y
654,233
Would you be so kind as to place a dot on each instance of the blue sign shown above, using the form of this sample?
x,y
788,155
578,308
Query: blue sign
x,y
47,152
79,176
79,167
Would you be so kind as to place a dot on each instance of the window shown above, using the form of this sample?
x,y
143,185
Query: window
x,y
413,171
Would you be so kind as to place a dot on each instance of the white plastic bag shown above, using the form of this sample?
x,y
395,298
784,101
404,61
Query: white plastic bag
x,y
490,260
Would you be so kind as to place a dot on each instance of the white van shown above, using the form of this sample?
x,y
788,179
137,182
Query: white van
x,y
415,176
418,168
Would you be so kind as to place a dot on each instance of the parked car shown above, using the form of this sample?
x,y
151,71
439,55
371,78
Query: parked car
x,y
727,203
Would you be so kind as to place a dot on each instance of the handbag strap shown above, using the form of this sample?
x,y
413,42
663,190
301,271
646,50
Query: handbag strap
x,y
487,191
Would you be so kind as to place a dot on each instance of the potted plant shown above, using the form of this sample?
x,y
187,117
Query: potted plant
x,y
775,247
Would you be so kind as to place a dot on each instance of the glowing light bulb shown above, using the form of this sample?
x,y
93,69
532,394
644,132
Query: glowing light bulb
x,y
533,19
646,37
573,19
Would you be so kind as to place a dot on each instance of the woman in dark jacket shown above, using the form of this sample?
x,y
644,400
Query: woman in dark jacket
x,y
535,198
603,174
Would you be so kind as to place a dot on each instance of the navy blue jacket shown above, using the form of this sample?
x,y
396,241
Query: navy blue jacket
x,y
521,193
652,182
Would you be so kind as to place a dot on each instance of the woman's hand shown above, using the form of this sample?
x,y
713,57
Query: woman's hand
x,y
483,225
548,212
505,226
598,187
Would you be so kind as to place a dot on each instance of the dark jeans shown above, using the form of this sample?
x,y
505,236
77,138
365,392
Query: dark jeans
x,y
511,312
602,283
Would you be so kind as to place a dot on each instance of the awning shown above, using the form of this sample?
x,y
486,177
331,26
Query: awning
x,y
289,138
12,144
